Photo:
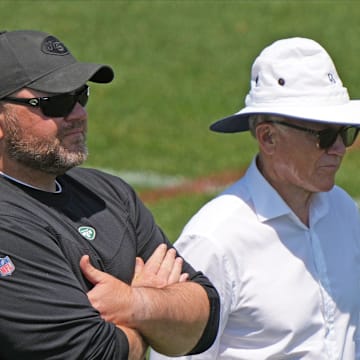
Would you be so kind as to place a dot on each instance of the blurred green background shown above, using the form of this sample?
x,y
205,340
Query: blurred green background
x,y
180,65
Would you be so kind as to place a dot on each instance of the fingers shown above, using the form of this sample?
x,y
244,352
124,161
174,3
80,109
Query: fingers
x,y
166,265
175,274
92,274
184,277
139,267
155,260
161,269
169,265
175,271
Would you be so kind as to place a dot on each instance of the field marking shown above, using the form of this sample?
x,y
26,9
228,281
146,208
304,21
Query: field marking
x,y
157,186
147,179
203,185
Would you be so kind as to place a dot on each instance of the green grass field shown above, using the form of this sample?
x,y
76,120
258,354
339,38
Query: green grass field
x,y
180,65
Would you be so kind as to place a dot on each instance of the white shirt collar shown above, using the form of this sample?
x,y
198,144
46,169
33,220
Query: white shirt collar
x,y
267,201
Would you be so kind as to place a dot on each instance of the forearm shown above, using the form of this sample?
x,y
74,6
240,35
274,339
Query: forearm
x,y
171,319
171,316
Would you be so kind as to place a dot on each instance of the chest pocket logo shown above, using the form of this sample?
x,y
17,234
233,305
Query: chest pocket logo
x,y
87,232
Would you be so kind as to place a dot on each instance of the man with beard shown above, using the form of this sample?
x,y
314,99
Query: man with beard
x,y
56,219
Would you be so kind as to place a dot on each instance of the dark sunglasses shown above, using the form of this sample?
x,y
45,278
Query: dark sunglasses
x,y
57,105
327,137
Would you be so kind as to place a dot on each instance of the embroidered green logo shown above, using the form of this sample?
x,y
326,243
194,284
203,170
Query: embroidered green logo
x,y
87,232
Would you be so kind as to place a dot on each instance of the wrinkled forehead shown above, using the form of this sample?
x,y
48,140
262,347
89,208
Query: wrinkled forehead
x,y
27,92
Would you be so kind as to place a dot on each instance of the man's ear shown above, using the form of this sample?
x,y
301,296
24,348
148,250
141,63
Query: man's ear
x,y
266,137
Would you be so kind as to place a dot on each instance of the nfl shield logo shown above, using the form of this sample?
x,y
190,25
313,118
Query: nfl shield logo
x,y
6,266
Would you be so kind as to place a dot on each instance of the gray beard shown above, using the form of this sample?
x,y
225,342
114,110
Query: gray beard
x,y
55,161
50,157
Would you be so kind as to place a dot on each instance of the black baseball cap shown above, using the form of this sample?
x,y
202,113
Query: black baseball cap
x,y
40,61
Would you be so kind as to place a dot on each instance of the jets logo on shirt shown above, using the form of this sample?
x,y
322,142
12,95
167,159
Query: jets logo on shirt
x,y
6,266
87,232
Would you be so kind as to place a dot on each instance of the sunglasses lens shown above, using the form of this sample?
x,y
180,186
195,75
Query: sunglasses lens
x,y
83,97
328,137
62,105
58,105
349,135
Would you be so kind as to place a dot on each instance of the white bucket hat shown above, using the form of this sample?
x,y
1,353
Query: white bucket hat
x,y
294,78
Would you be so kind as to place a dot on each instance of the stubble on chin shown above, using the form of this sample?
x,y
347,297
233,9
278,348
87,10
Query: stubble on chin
x,y
46,155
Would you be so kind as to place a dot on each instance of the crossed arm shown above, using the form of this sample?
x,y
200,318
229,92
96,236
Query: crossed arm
x,y
160,308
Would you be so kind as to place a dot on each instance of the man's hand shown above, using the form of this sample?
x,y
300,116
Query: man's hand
x,y
114,299
110,296
169,312
161,269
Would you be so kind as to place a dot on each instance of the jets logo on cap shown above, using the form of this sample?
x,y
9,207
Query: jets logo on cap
x,y
51,45
87,232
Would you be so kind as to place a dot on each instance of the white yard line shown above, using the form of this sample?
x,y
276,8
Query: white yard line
x,y
146,179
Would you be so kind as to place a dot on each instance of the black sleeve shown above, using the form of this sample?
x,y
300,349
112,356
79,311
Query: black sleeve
x,y
209,335
149,237
44,312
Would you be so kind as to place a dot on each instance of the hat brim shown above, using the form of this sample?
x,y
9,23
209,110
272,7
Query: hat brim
x,y
342,114
72,76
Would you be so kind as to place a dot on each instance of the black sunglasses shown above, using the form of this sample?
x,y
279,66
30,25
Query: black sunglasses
x,y
57,105
327,137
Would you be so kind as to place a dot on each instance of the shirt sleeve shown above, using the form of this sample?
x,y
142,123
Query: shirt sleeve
x,y
45,313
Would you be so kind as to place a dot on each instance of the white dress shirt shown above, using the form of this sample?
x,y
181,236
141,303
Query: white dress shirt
x,y
287,291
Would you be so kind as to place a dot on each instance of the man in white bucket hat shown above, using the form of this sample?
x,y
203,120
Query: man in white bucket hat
x,y
282,244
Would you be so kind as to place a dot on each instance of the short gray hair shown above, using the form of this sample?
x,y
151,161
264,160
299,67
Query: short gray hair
x,y
256,119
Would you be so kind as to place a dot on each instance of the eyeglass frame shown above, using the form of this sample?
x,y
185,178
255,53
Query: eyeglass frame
x,y
319,133
39,101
